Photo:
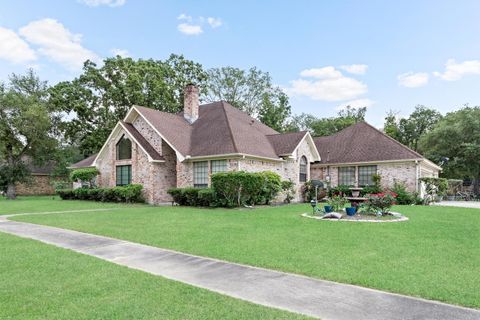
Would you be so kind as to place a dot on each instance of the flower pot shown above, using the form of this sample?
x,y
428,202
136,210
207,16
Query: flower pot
x,y
328,209
351,211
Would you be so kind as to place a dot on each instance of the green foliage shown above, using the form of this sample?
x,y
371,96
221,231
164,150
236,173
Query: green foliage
x,y
196,197
403,196
328,126
380,202
102,95
84,175
410,130
27,128
456,137
454,186
370,189
275,110
435,186
337,202
288,188
340,190
129,193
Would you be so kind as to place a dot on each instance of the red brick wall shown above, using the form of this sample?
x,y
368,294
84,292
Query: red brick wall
x,y
39,185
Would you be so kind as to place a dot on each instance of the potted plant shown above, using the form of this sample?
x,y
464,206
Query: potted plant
x,y
352,210
337,203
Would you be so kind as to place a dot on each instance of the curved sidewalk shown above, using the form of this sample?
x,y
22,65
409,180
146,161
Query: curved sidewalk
x,y
313,297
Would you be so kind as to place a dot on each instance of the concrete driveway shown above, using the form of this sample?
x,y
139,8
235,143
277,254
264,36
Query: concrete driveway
x,y
462,204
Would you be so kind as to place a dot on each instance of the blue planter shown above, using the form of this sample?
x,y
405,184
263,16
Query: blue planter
x,y
351,211
328,209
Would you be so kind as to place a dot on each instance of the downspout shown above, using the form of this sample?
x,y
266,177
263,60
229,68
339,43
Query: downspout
x,y
417,176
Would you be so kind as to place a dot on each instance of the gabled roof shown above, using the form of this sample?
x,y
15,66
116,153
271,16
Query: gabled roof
x,y
85,163
362,142
137,136
220,129
286,143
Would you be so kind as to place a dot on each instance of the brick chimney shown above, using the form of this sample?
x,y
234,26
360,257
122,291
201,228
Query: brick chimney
x,y
190,103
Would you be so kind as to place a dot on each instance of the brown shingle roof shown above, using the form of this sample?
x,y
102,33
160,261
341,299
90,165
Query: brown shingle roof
x,y
285,143
220,129
362,143
85,163
142,141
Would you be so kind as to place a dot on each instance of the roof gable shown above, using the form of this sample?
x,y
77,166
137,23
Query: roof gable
x,y
362,142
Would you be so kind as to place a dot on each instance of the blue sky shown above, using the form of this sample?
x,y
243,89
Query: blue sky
x,y
325,54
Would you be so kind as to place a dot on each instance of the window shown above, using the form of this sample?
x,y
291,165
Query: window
x,y
365,175
124,149
218,166
346,176
124,175
303,169
200,174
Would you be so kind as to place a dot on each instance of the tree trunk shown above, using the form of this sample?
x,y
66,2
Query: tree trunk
x,y
476,185
11,191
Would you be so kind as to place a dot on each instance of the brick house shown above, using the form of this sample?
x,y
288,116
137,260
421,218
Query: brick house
x,y
353,155
163,150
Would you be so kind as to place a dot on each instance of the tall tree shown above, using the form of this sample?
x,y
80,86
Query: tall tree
x,y
456,137
26,128
102,95
328,126
251,91
275,110
410,130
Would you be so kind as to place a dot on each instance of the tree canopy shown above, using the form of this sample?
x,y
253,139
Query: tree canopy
x,y
410,130
456,137
27,128
328,126
251,91
102,95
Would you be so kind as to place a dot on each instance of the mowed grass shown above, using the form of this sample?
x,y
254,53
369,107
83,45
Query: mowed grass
x,y
32,204
38,281
434,255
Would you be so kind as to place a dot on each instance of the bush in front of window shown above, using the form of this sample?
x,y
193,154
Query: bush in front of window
x,y
204,197
129,194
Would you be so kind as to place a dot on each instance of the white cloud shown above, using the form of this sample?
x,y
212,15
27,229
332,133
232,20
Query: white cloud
x,y
58,43
321,73
214,22
358,103
456,70
13,48
412,80
194,26
329,85
110,3
120,52
190,29
355,68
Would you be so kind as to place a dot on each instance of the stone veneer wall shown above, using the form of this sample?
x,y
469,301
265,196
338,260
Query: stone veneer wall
x,y
39,185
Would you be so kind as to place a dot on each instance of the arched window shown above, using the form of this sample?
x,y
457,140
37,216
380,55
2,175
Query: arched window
x,y
124,149
303,169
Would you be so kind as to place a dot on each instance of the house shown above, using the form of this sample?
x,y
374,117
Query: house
x,y
162,150
41,181
353,155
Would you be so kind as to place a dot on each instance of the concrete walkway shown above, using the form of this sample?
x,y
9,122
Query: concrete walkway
x,y
462,204
317,298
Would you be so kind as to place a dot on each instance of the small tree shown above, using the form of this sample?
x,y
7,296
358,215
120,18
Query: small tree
x,y
87,175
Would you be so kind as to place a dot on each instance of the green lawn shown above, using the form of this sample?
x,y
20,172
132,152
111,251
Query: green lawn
x,y
434,255
33,204
39,281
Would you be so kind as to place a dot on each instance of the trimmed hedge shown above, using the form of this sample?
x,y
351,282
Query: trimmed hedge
x,y
129,193
230,189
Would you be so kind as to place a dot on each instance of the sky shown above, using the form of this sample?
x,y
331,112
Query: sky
x,y
385,55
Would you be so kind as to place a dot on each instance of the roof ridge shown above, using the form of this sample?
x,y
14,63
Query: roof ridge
x,y
229,126
284,133
392,139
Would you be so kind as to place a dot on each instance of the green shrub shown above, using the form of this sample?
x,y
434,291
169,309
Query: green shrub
x,y
206,197
177,195
129,193
403,196
271,186
380,202
87,175
288,189
370,189
435,186
337,203
340,190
